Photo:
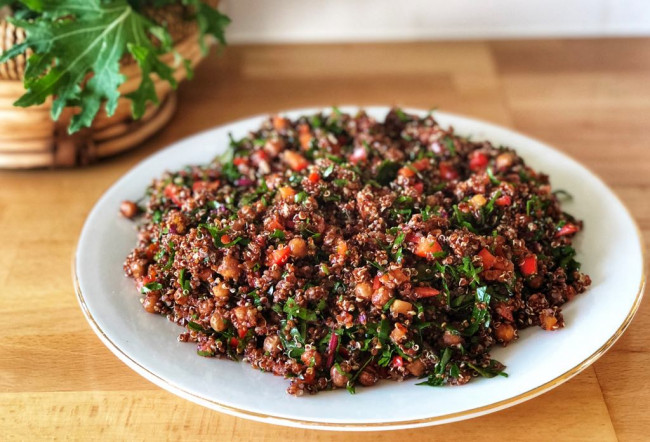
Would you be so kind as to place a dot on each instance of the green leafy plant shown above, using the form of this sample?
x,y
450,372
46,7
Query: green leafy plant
x,y
77,47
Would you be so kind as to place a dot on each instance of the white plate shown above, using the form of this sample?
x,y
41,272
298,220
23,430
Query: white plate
x,y
609,249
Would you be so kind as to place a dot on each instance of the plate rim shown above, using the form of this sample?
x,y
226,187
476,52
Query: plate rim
x,y
354,426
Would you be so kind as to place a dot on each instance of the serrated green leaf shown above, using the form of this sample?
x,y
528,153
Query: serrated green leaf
x,y
78,46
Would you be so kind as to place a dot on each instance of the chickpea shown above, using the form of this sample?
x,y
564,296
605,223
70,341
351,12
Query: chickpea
x,y
217,322
272,344
401,307
547,320
399,333
246,316
205,307
381,296
367,378
298,247
149,303
177,222
504,161
478,201
315,293
137,267
274,146
221,291
363,290
416,368
504,332
129,209
229,268
339,378
180,297
450,338
311,358
280,123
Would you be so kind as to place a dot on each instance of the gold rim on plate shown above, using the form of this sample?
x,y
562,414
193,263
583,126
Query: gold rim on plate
x,y
461,415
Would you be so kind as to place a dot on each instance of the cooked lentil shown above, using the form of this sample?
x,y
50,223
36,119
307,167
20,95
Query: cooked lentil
x,y
337,250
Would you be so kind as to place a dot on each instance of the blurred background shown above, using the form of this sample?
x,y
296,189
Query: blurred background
x,y
296,21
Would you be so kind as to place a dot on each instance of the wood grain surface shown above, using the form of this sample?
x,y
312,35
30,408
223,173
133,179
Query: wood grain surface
x,y
589,98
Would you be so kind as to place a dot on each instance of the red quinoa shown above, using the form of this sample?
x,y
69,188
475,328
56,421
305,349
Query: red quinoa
x,y
336,250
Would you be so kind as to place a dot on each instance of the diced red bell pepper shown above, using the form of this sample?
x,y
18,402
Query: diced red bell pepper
x,y
448,172
287,193
305,140
376,283
314,177
413,238
234,342
199,185
295,161
477,161
528,265
487,258
427,246
505,311
280,123
152,249
274,225
259,156
171,193
425,292
503,201
397,362
567,229
342,248
421,164
419,188
242,332
406,172
239,161
280,256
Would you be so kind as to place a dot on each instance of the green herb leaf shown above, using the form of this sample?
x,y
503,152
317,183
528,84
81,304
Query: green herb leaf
x,y
401,115
449,143
426,213
293,310
278,234
184,283
78,46
196,327
480,312
205,353
328,171
217,234
495,368
493,179
151,287
438,377
563,195
387,172
300,197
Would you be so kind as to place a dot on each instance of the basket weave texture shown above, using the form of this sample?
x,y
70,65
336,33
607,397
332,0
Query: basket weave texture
x,y
30,139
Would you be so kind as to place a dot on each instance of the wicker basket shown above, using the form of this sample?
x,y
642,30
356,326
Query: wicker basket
x,y
30,139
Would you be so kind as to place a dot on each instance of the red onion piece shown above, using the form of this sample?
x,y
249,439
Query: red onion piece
x,y
334,342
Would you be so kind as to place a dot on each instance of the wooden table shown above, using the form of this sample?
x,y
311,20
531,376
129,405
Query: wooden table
x,y
588,98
